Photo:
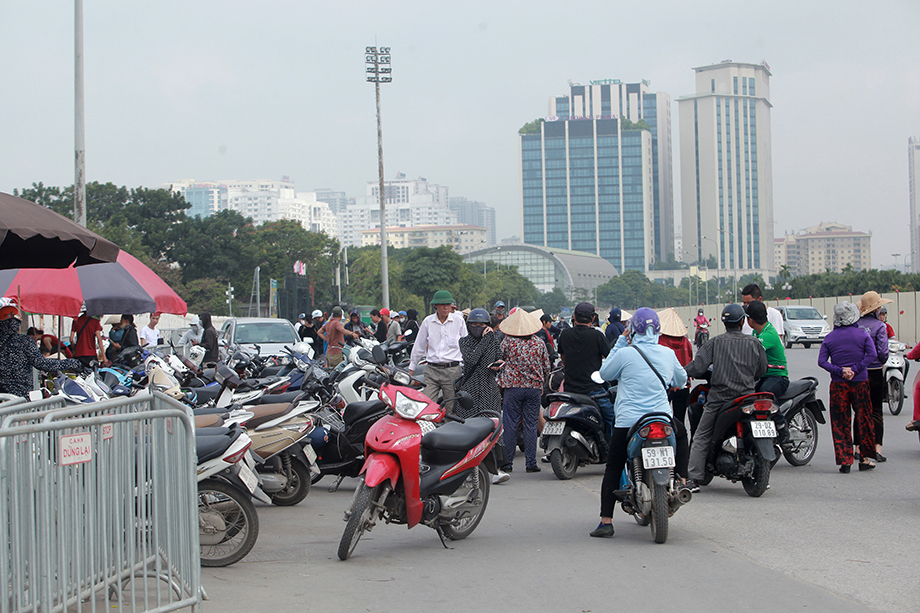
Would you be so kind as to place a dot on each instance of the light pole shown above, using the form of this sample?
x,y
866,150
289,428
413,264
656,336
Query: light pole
x,y
896,256
79,187
718,269
378,70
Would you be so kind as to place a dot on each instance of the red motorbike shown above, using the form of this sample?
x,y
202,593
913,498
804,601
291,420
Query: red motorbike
x,y
418,470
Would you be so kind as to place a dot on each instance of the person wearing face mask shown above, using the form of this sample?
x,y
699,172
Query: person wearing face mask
x,y
481,353
642,367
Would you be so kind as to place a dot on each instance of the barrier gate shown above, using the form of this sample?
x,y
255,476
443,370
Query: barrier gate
x,y
98,506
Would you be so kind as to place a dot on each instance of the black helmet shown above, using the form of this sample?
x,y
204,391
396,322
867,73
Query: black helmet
x,y
732,314
479,316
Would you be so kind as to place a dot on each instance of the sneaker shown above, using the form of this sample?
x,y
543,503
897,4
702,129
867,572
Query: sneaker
x,y
913,426
545,459
602,531
533,469
693,486
501,477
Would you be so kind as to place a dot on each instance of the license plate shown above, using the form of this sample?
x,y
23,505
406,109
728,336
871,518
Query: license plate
x,y
249,478
658,457
553,428
311,455
763,429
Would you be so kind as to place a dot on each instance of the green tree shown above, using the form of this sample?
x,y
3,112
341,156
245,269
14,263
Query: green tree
x,y
426,270
531,127
552,302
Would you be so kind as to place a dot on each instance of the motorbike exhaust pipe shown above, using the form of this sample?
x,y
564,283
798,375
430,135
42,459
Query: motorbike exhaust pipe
x,y
684,495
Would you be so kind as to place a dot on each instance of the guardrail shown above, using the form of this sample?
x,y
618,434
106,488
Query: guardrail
x,y
98,503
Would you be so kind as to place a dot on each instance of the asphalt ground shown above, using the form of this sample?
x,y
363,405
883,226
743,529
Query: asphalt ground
x,y
817,540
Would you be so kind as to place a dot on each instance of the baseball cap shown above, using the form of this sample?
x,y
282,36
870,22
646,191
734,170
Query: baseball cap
x,y
317,313
402,313
337,311
757,311
302,316
499,304
584,309
385,311
546,317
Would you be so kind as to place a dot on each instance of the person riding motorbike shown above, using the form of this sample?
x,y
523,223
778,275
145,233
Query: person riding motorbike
x,y
776,379
699,322
738,361
641,376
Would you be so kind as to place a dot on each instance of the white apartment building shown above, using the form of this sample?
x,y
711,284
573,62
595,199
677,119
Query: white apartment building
x,y
726,167
827,246
409,203
462,238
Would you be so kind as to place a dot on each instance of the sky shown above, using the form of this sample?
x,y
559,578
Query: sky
x,y
217,90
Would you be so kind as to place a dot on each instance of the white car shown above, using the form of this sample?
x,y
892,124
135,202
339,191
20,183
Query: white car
x,y
270,334
803,324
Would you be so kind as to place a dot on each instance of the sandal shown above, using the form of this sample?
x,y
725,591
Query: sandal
x,y
866,465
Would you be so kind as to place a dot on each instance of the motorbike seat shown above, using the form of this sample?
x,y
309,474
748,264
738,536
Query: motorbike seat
x,y
211,442
455,436
357,411
798,387
267,412
571,397
272,371
209,420
286,397
206,394
396,347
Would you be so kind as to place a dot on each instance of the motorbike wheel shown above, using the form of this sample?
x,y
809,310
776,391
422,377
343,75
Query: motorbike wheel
x,y
788,344
802,423
564,463
659,513
297,489
314,479
466,525
359,520
895,395
228,525
757,484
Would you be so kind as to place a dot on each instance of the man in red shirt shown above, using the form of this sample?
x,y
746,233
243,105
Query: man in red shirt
x,y
86,339
333,332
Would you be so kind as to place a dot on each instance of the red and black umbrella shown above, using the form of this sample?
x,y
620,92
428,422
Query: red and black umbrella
x,y
123,286
32,236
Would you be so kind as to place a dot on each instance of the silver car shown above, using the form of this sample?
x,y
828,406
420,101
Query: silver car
x,y
270,334
803,324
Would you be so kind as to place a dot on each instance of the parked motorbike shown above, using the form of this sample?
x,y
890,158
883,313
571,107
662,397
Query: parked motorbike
x,y
648,489
417,472
895,373
573,434
228,524
743,442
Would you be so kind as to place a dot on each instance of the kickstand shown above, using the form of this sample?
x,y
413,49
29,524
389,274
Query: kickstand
x,y
442,537
335,486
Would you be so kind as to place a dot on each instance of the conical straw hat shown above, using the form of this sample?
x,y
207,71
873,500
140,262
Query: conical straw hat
x,y
624,315
537,314
671,324
520,323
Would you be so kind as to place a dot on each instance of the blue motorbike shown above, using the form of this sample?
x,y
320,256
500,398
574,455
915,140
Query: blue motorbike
x,y
649,490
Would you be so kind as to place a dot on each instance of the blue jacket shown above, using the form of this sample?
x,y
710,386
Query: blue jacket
x,y
639,391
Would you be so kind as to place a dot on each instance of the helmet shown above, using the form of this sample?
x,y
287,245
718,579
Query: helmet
x,y
302,316
643,319
402,313
8,312
732,314
699,312
499,304
316,314
479,316
442,296
884,310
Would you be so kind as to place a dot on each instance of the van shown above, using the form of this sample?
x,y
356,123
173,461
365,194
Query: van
x,y
803,324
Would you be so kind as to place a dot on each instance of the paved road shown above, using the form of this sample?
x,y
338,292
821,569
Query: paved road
x,y
817,540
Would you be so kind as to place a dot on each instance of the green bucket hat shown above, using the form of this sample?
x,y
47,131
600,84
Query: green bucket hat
x,y
442,296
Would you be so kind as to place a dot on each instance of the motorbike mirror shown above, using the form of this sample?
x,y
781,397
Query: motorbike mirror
x,y
308,340
824,317
379,354
464,399
596,377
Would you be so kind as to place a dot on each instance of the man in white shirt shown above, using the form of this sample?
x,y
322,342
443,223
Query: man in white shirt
x,y
149,335
749,294
439,343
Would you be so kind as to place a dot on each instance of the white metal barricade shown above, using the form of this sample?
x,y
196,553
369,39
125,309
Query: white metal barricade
x,y
98,506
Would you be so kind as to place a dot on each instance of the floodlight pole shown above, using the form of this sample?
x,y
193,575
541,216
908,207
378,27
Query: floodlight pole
x,y
79,187
378,74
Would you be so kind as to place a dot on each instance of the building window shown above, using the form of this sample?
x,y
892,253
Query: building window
x,y
736,84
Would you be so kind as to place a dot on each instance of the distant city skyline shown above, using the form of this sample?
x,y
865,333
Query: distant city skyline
x,y
250,96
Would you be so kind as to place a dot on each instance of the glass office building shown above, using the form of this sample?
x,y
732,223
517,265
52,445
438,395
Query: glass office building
x,y
549,268
587,186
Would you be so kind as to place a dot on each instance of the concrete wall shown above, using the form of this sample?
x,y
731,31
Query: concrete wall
x,y
903,313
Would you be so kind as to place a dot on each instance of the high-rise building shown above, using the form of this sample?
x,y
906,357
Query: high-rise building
x,y
827,246
596,174
409,203
913,164
473,213
726,168
463,238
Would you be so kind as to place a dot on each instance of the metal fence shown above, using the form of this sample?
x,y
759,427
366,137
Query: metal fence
x,y
98,506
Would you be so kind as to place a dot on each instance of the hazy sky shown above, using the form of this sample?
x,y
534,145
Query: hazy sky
x,y
249,90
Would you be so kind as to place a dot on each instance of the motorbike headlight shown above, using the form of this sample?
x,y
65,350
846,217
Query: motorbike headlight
x,y
402,378
408,408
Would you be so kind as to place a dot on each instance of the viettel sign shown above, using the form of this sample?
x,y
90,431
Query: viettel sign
x,y
75,448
